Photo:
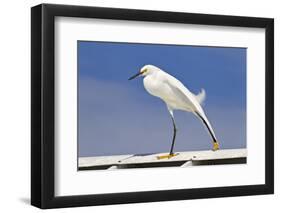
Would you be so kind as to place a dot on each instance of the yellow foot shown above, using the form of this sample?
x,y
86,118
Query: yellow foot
x,y
166,156
216,146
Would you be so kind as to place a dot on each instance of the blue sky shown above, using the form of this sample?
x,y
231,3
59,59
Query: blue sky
x,y
117,116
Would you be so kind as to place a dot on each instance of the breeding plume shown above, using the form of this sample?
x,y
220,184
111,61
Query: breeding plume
x,y
177,97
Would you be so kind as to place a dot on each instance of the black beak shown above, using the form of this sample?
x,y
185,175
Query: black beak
x,y
136,75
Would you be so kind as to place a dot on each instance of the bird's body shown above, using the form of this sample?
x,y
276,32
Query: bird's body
x,y
162,85
176,96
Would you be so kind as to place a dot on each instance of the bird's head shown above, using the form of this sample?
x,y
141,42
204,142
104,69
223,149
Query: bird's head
x,y
144,71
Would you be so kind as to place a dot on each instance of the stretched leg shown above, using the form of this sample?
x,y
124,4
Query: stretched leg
x,y
171,154
215,142
174,134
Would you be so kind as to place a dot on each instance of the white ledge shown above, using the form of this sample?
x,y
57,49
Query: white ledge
x,y
183,159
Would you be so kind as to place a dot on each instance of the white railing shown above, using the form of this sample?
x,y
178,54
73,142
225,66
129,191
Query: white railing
x,y
182,159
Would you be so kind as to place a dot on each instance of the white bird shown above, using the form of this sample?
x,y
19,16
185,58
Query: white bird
x,y
177,97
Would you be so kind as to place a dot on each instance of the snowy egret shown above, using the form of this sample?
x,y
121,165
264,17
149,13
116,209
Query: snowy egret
x,y
177,97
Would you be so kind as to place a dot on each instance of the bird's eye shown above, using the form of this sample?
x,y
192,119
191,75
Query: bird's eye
x,y
143,71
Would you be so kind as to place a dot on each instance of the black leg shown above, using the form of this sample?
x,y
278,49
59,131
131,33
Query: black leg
x,y
215,142
174,136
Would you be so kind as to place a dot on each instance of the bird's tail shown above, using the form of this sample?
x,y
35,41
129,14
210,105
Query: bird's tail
x,y
201,96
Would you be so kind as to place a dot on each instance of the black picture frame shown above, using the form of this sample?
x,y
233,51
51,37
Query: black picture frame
x,y
43,102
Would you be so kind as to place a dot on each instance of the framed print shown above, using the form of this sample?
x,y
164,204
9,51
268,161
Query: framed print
x,y
139,106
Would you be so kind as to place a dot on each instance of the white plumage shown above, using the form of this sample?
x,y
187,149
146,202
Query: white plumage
x,y
176,96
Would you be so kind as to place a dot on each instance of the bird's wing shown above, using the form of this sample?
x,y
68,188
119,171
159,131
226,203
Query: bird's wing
x,y
191,101
185,95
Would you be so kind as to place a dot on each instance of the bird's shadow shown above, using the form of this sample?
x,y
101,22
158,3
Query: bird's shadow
x,y
137,155
144,154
